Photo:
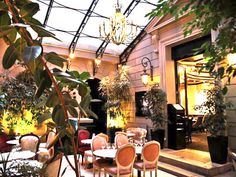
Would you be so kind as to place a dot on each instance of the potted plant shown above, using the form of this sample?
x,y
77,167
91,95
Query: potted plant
x,y
117,93
155,110
215,122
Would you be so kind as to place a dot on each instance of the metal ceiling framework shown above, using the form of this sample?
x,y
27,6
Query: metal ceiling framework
x,y
125,54
82,25
90,13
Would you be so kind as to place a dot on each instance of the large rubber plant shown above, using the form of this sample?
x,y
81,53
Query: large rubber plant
x,y
16,21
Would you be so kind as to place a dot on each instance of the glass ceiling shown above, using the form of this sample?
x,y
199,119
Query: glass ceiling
x,y
66,16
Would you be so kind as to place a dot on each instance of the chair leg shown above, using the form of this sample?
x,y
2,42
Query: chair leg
x,y
93,171
99,173
82,159
151,173
155,172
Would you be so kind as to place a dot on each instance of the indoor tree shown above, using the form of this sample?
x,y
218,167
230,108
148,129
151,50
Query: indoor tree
x,y
117,92
16,22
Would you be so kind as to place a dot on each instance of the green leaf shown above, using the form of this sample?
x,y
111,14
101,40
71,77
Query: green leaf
x,y
85,102
31,53
6,30
74,73
73,112
91,113
58,115
37,76
48,81
52,100
12,36
29,9
42,32
4,18
84,76
225,90
55,59
32,21
82,111
41,88
83,90
9,57
74,103
21,3
44,117
45,82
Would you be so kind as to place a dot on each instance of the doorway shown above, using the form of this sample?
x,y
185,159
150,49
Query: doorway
x,y
191,87
97,106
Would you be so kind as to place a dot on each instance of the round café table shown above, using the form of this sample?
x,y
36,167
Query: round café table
x,y
111,153
129,134
13,142
86,141
17,155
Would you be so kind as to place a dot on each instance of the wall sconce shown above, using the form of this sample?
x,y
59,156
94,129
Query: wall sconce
x,y
145,75
96,65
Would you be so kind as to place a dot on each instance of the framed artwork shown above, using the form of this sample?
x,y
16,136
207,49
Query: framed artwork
x,y
140,104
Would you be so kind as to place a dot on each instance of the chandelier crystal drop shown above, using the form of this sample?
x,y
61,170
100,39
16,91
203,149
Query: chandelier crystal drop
x,y
118,29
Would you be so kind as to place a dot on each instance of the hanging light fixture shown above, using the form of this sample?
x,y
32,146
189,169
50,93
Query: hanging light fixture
x,y
118,30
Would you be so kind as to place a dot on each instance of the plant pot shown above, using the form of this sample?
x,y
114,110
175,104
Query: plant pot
x,y
218,148
111,131
158,135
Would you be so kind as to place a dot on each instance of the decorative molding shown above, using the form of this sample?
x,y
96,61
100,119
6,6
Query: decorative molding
x,y
155,42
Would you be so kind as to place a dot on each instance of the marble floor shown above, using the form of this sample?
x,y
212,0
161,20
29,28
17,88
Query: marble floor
x,y
89,172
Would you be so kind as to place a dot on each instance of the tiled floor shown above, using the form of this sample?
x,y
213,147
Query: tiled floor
x,y
89,172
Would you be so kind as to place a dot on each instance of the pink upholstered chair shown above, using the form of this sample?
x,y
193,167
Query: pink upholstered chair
x,y
29,142
4,147
120,140
88,153
124,158
103,136
150,156
53,167
83,134
98,164
140,134
47,153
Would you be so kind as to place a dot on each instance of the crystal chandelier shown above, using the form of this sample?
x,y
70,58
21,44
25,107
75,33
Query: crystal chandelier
x,y
118,30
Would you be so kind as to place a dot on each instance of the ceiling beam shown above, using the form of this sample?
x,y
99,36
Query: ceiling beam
x,y
47,15
125,54
101,49
82,25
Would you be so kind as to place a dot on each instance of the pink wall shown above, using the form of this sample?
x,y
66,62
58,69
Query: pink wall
x,y
80,64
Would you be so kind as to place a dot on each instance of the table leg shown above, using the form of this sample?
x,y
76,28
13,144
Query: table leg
x,y
139,173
